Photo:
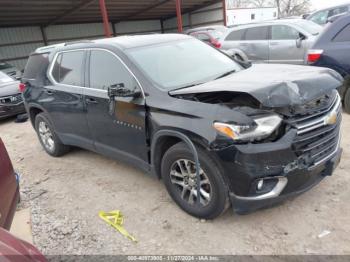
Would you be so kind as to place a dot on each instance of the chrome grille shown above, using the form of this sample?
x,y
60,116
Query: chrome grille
x,y
318,135
11,100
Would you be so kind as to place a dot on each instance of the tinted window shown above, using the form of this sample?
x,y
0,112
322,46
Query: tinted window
x,y
343,35
283,32
36,66
106,70
235,35
68,68
320,17
256,33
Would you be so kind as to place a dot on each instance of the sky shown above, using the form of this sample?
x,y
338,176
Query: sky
x,y
319,4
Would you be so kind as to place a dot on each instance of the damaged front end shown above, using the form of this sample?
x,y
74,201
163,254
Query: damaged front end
x,y
287,148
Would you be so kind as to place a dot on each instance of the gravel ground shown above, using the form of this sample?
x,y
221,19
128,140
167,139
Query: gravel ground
x,y
65,195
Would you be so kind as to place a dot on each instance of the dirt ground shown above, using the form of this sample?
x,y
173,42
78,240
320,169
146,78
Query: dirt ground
x,y
65,195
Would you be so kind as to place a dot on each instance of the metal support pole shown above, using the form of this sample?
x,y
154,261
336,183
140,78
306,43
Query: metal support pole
x,y
178,15
224,12
43,34
162,25
105,18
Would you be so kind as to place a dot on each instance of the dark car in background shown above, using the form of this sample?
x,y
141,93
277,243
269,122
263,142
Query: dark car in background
x,y
321,16
332,50
261,133
11,102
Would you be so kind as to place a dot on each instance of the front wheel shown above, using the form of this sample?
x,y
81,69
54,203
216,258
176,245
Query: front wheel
x,y
47,137
179,176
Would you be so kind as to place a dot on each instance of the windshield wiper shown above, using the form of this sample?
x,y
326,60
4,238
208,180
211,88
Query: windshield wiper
x,y
226,74
183,87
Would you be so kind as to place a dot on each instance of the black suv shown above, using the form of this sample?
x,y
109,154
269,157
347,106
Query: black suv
x,y
215,131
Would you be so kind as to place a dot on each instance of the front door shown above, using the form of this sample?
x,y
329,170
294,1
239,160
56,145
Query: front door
x,y
284,46
119,129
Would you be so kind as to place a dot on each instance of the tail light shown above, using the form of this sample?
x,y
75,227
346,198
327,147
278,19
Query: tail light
x,y
314,55
22,87
216,44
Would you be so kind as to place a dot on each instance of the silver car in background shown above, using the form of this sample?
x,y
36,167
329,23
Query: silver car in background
x,y
279,41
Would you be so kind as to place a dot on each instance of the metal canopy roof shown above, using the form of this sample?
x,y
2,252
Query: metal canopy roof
x,y
49,12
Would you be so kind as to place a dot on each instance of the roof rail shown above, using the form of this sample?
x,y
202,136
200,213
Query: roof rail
x,y
83,41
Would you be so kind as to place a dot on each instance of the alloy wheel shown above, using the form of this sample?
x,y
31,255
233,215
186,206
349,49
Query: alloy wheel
x,y
183,176
46,136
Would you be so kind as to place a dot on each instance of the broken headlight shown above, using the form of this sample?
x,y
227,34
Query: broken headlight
x,y
262,127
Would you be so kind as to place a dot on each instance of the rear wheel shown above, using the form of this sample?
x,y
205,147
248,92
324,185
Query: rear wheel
x,y
47,137
179,176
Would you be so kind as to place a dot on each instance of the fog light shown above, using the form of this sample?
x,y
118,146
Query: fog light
x,y
260,185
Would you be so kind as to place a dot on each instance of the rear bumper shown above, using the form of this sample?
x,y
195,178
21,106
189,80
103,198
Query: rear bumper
x,y
11,110
296,184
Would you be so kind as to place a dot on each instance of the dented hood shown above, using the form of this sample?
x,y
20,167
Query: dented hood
x,y
274,85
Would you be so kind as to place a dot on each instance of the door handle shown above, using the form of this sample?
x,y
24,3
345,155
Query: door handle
x,y
49,92
243,44
273,43
91,101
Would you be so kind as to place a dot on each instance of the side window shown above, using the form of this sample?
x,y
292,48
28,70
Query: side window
x,y
256,33
283,32
36,66
320,17
68,68
235,35
106,70
343,35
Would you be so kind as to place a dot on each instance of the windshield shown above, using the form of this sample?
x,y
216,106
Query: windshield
x,y
310,27
180,64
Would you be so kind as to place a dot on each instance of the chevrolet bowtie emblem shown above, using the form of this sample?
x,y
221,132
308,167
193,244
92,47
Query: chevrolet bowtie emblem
x,y
331,119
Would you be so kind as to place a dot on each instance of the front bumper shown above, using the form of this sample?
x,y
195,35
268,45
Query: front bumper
x,y
295,184
11,110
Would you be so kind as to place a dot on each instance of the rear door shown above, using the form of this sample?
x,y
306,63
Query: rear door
x,y
119,130
255,44
283,45
64,98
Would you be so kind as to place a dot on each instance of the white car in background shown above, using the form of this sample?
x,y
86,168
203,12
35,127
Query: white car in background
x,y
284,41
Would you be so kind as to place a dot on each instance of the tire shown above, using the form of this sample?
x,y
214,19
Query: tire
x,y
54,146
347,101
218,201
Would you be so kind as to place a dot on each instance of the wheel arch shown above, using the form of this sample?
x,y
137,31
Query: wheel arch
x,y
162,140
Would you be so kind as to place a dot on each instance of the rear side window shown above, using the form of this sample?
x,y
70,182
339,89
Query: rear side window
x,y
106,70
36,66
343,35
256,33
283,32
235,35
68,68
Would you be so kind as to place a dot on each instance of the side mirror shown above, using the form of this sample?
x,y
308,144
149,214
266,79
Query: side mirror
x,y
300,40
119,90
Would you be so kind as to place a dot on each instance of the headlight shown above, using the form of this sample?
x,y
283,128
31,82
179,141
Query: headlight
x,y
263,127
